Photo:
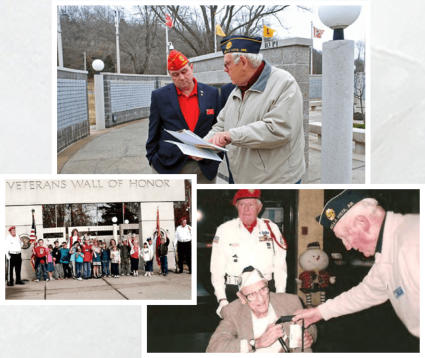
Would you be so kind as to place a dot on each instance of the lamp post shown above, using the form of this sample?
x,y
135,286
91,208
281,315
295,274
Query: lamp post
x,y
337,95
99,100
115,229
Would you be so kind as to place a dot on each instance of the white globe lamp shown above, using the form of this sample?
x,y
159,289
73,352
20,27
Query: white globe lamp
x,y
98,65
338,18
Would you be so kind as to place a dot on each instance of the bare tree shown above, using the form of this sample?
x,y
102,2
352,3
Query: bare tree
x,y
196,26
359,92
359,62
139,38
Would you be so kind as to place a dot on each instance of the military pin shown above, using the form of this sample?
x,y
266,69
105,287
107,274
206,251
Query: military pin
x,y
202,92
269,246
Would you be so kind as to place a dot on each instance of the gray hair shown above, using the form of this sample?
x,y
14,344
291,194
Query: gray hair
x,y
254,59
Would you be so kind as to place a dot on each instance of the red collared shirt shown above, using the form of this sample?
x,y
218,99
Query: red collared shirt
x,y
189,105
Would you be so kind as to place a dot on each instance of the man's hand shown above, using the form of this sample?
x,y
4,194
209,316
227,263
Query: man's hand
x,y
308,339
310,316
272,333
220,306
221,139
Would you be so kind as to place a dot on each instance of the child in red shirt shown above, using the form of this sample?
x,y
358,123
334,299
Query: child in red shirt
x,y
40,253
88,258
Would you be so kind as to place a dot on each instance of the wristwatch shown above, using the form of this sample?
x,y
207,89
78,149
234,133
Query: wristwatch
x,y
251,342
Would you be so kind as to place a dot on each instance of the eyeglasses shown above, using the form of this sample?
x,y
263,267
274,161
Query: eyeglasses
x,y
254,295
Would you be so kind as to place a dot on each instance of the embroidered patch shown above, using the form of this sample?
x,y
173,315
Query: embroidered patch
x,y
210,111
398,292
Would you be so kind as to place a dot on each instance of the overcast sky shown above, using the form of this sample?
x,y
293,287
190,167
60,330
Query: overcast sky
x,y
298,22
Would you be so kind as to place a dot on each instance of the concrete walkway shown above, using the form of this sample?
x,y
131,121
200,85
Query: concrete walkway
x,y
170,287
122,151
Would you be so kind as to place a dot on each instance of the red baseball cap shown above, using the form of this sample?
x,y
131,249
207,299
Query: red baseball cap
x,y
246,194
176,60
11,228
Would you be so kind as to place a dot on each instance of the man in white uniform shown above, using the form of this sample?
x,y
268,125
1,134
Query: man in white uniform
x,y
363,225
247,241
183,238
249,323
13,254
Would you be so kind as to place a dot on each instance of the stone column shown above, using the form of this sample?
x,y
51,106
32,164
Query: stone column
x,y
99,99
337,111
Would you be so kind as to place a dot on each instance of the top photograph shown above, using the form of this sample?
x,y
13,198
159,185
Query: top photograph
x,y
233,94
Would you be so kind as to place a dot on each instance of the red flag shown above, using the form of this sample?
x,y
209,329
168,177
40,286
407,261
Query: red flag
x,y
158,236
168,21
317,32
33,235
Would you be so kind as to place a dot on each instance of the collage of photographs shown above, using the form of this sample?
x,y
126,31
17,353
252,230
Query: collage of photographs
x,y
211,178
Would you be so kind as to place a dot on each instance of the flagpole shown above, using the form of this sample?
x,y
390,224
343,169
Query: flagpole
x,y
166,47
215,36
311,48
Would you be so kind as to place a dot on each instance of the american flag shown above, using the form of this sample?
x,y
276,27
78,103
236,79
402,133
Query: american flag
x,y
317,32
33,235
168,21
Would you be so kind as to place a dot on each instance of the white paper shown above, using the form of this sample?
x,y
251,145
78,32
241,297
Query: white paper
x,y
191,138
196,152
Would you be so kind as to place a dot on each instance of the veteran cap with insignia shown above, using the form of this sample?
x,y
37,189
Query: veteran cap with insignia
x,y
338,206
246,194
240,43
176,60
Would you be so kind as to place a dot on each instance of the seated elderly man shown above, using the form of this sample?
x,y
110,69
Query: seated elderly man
x,y
249,323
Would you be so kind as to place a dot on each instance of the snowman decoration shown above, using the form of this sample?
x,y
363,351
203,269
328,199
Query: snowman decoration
x,y
314,278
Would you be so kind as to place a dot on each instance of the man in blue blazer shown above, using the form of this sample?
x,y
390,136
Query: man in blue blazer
x,y
184,104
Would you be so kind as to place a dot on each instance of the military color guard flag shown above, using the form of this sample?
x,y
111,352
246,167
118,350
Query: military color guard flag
x,y
268,31
219,31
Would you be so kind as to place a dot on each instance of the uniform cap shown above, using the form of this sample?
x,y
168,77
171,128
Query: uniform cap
x,y
249,276
338,206
176,60
11,228
240,43
246,194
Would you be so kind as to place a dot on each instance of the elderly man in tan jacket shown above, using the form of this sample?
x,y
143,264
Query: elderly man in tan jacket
x,y
262,121
250,323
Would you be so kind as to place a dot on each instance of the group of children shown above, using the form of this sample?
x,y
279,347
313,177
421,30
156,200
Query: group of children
x,y
92,258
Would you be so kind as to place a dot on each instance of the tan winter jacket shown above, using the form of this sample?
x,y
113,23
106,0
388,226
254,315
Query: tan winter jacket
x,y
266,128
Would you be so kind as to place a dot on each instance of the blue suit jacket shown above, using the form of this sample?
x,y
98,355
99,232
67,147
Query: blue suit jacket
x,y
165,113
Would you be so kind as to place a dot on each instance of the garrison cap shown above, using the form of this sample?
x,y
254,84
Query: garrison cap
x,y
338,206
240,43
176,60
246,194
249,276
